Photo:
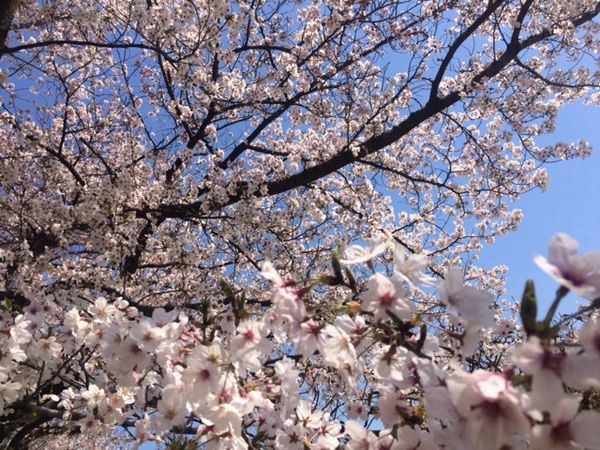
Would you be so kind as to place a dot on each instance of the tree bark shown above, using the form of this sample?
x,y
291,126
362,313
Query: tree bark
x,y
8,8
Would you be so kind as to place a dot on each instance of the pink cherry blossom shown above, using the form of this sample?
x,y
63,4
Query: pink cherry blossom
x,y
382,298
464,301
157,158
569,428
494,412
579,273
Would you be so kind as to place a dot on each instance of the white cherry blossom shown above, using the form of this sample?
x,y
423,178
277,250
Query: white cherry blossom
x,y
157,157
464,301
579,273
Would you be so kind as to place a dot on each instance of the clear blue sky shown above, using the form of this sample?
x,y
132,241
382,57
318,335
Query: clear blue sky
x,y
571,205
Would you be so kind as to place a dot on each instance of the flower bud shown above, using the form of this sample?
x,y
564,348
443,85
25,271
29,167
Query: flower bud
x,y
529,309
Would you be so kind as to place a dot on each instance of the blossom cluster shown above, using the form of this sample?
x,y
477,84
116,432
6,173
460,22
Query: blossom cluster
x,y
156,155
383,370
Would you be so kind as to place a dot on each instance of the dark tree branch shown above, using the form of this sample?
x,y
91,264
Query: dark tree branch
x,y
8,8
492,6
372,145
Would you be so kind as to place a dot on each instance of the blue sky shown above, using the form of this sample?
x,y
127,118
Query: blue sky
x,y
571,205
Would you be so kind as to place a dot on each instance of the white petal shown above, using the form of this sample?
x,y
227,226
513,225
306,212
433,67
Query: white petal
x,y
581,371
565,410
562,249
550,269
269,272
586,429
356,254
546,390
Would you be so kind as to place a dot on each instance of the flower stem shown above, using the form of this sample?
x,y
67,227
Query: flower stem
x,y
560,294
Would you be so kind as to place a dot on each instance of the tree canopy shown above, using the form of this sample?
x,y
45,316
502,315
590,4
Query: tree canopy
x,y
158,156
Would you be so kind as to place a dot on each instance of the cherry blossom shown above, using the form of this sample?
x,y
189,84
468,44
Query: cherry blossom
x,y
467,302
382,298
568,427
181,186
409,268
356,254
577,272
493,411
